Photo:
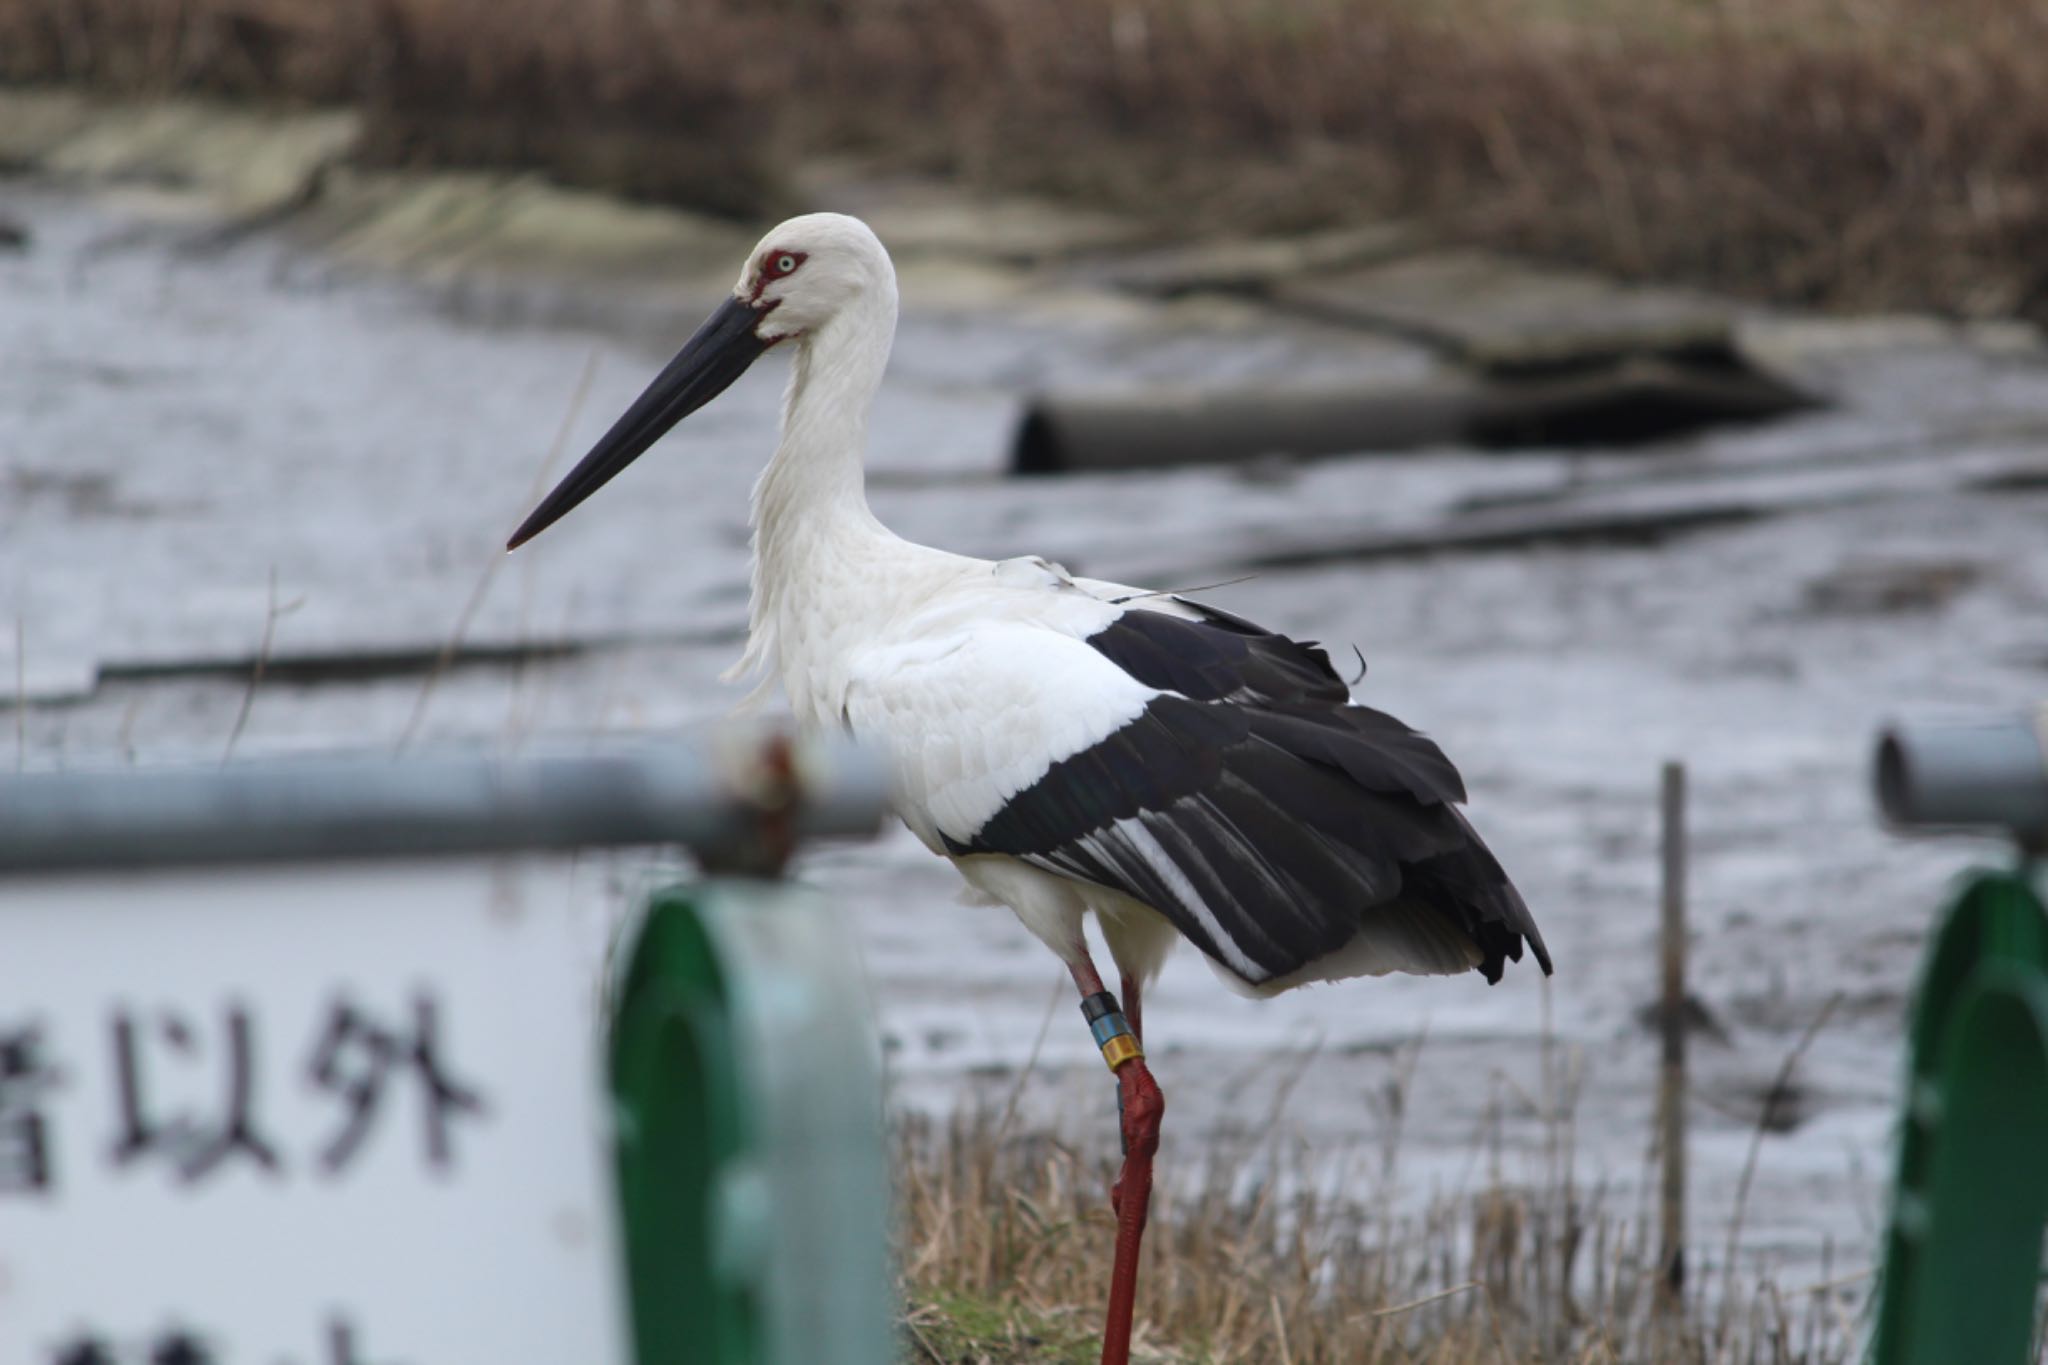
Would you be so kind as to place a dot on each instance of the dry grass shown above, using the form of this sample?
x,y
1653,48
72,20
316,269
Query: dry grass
x,y
1005,1246
1866,152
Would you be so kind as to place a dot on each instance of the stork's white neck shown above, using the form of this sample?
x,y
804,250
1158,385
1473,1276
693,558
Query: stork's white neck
x,y
810,508
817,467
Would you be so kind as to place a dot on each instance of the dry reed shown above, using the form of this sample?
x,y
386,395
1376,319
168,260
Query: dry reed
x,y
1853,152
1004,1240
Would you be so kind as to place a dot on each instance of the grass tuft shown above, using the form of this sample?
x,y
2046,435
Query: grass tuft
x,y
1005,1240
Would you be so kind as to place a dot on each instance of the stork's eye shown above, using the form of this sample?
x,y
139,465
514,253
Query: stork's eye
x,y
784,264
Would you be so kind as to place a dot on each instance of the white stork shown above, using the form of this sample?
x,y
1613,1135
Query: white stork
x,y
1073,746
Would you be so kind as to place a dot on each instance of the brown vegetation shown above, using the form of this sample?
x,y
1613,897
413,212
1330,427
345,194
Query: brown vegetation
x,y
1005,1247
1005,1237
1865,152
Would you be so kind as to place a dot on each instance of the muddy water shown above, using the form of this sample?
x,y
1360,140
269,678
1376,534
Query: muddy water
x,y
201,440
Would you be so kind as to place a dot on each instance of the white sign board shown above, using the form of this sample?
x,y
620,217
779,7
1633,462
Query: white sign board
x,y
304,1116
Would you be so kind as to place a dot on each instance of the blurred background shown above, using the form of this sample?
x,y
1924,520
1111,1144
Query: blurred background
x,y
1625,382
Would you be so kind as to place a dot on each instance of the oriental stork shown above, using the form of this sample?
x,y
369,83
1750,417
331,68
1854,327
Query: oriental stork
x,y
1073,746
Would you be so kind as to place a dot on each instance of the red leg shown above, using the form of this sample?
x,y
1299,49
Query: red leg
x,y
1143,1106
1131,1009
1140,1107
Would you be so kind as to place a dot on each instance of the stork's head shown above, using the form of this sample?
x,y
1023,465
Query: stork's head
x,y
807,271
803,276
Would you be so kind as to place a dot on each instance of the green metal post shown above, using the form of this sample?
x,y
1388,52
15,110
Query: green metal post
x,y
1963,1253
1987,1187
751,1160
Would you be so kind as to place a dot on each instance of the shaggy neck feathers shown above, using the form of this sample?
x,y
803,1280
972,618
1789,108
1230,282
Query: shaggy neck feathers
x,y
810,505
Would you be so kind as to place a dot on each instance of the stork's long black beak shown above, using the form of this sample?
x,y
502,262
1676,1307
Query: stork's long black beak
x,y
719,353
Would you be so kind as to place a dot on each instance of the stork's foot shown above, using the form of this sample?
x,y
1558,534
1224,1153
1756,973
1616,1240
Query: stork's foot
x,y
1141,1107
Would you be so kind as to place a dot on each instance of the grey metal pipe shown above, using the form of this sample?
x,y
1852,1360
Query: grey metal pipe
x,y
1981,774
716,796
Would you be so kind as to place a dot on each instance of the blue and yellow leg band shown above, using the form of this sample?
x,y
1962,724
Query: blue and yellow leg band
x,y
1112,1034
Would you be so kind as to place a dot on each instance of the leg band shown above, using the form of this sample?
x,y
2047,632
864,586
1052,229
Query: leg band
x,y
1112,1034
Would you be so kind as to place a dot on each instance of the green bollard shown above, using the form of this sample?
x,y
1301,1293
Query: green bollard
x,y
752,1171
1963,1252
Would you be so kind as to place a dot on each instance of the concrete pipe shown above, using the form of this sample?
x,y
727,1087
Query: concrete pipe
x,y
1633,401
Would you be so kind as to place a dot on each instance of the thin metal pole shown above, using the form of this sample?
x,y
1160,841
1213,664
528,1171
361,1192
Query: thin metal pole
x,y
20,694
1671,1087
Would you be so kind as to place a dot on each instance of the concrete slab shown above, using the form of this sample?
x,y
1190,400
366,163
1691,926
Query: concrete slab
x,y
449,223
243,161
1248,266
32,121
919,216
1500,314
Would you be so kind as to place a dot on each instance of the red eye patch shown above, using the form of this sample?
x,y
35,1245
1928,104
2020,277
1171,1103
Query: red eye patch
x,y
775,265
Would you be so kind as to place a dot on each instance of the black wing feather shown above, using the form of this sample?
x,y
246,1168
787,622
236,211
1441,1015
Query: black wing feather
x,y
1287,813
1219,658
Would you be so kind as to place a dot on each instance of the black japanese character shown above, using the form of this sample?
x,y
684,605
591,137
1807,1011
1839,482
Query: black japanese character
x,y
25,1077
85,1350
356,1059
194,1148
179,1347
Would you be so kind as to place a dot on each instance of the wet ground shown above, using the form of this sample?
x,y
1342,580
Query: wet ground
x,y
205,441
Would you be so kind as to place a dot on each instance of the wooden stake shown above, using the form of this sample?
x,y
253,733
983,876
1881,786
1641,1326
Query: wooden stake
x,y
1671,1087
